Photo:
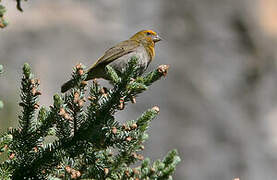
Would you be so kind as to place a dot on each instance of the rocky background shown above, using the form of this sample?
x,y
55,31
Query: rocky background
x,y
219,101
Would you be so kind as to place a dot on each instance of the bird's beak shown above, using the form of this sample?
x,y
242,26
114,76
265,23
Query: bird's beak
x,y
157,38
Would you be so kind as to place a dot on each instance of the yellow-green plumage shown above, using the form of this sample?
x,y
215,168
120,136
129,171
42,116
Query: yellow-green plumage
x,y
140,45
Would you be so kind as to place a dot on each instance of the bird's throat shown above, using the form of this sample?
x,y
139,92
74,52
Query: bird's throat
x,y
151,51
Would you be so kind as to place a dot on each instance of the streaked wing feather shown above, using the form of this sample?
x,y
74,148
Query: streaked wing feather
x,y
121,49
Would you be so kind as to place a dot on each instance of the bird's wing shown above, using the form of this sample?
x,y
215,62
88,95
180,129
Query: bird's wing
x,y
119,50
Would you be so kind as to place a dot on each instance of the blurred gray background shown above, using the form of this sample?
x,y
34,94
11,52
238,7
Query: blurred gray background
x,y
219,101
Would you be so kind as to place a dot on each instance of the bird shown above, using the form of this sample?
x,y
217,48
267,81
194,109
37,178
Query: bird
x,y
141,45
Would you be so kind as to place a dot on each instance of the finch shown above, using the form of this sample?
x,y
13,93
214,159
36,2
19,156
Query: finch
x,y
140,45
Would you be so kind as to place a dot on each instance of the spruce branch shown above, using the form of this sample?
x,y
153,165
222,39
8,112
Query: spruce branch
x,y
76,98
161,71
18,5
3,10
113,75
3,22
5,171
136,134
1,71
1,68
29,97
89,141
61,119
141,84
159,170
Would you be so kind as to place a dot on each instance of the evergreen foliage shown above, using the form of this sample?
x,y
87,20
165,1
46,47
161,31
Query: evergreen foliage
x,y
3,21
1,71
86,141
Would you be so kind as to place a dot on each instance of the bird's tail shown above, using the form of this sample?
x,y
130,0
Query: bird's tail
x,y
92,73
66,86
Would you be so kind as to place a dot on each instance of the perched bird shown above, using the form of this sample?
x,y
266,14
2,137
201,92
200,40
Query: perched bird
x,y
141,45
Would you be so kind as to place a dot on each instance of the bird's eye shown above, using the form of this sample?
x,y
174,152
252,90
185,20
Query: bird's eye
x,y
148,33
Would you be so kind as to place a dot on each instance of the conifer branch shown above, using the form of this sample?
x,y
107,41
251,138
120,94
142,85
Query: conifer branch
x,y
3,22
3,10
29,97
90,142
1,71
18,5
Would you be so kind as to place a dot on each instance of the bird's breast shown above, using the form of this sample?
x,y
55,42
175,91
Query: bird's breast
x,y
140,52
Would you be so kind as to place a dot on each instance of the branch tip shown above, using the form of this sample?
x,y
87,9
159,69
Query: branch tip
x,y
163,69
156,108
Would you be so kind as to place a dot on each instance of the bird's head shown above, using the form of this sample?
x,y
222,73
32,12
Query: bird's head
x,y
146,35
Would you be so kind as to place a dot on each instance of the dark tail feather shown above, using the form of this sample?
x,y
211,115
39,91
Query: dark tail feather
x,y
66,86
